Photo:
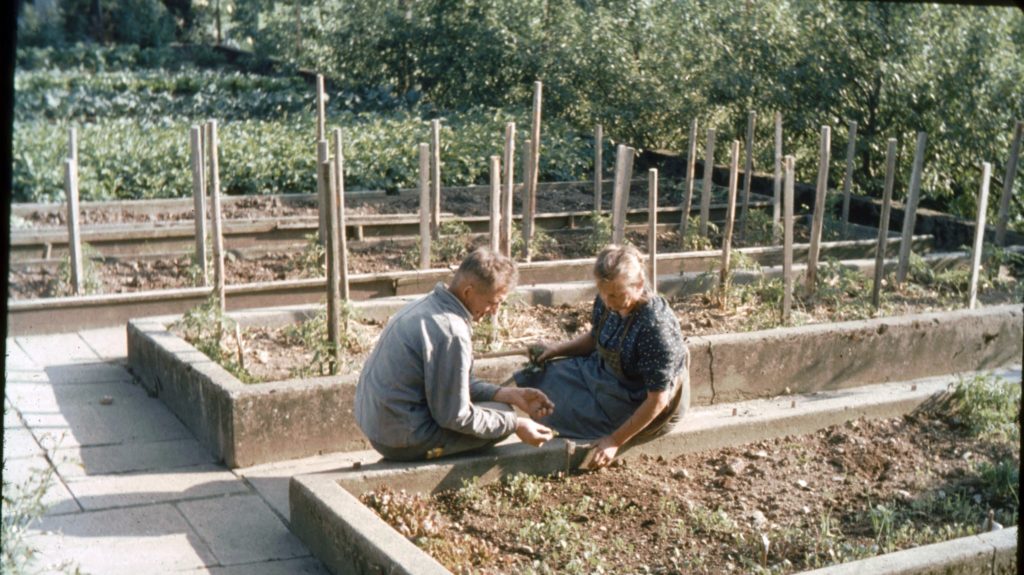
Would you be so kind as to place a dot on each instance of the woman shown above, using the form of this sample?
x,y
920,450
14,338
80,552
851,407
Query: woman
x,y
629,375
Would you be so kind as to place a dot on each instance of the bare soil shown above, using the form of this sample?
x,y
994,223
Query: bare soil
x,y
778,506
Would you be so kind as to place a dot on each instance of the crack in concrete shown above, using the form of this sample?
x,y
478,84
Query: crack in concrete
x,y
711,371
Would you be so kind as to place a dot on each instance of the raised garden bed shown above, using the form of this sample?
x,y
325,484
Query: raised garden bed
x,y
807,472
244,424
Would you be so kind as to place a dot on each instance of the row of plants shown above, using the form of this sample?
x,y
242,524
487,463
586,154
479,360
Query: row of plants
x,y
127,158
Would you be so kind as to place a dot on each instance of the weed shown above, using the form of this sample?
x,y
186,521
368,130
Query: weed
x,y
205,327
760,229
524,488
312,334
600,232
693,241
987,406
541,243
453,244
1000,481
63,284
410,514
312,262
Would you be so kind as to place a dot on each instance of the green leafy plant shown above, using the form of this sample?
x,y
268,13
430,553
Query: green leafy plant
x,y
312,335
453,245
312,261
63,284
987,406
207,328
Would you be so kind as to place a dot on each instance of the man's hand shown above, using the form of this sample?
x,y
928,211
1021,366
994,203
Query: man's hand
x,y
604,451
529,431
533,402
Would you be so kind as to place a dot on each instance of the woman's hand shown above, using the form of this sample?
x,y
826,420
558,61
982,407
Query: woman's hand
x,y
541,352
604,452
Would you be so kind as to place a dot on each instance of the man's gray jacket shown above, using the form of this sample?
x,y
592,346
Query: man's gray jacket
x,y
418,378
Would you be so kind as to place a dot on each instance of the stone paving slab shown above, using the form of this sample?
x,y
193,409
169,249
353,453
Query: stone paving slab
x,y
110,343
77,462
123,490
271,479
27,375
27,474
303,566
85,425
19,442
241,529
11,418
150,539
57,349
16,358
38,398
88,373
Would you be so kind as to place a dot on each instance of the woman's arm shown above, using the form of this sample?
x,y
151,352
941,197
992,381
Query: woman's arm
x,y
583,344
608,446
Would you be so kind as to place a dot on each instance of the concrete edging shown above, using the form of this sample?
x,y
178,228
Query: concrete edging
x,y
245,425
327,515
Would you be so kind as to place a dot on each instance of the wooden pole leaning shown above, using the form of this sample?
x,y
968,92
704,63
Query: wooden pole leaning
x,y
652,228
217,233
910,209
329,192
787,238
495,227
979,234
435,178
199,202
506,215
598,167
883,224
819,209
777,180
74,229
527,229
691,162
425,235
705,195
730,215
748,172
620,166
339,211
1011,175
851,151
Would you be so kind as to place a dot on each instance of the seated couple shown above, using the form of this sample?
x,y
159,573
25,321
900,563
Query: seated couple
x,y
628,377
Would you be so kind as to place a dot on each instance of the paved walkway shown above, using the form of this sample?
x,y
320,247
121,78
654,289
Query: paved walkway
x,y
133,491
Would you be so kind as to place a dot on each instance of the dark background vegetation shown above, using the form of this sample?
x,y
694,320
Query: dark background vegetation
x,y
642,69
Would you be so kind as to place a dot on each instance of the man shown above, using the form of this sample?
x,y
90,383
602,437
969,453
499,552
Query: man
x,y
416,397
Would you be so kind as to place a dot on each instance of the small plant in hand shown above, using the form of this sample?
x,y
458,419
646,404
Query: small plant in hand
x,y
847,492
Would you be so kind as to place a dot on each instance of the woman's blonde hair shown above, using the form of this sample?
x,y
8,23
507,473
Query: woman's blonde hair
x,y
617,261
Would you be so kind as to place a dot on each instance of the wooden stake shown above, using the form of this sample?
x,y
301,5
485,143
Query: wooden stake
x,y
506,216
435,178
819,208
787,240
624,179
425,228
321,108
74,233
691,162
709,170
241,348
851,151
534,147
323,154
910,209
598,167
495,228
979,234
527,230
777,187
1011,174
620,167
883,223
748,172
652,228
199,202
339,196
730,214
329,192
218,236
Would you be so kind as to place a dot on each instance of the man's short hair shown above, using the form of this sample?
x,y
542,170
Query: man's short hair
x,y
490,269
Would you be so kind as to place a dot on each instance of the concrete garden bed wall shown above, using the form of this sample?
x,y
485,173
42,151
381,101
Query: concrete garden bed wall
x,y
244,425
349,538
